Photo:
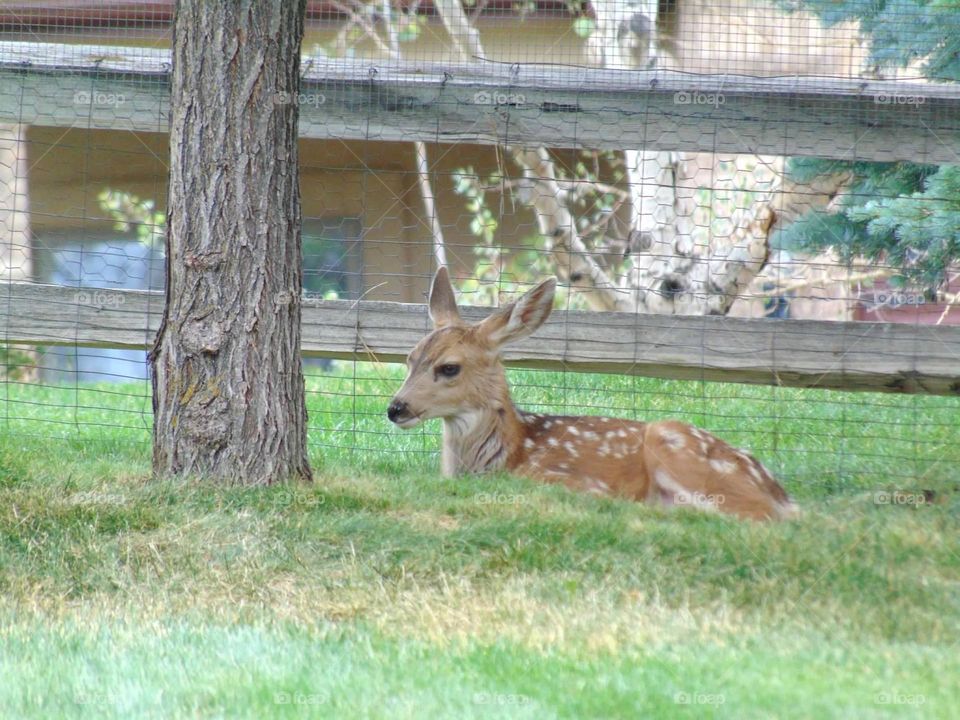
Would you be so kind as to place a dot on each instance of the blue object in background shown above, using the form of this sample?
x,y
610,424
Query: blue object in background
x,y
96,269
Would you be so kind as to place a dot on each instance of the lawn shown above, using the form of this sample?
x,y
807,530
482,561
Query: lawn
x,y
386,591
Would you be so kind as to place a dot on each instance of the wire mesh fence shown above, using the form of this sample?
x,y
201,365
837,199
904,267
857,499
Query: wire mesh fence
x,y
792,164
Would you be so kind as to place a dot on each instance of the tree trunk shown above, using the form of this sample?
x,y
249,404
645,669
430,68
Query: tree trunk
x,y
574,262
672,272
228,390
626,36
19,361
15,256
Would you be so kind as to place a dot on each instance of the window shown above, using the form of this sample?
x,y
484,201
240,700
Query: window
x,y
332,257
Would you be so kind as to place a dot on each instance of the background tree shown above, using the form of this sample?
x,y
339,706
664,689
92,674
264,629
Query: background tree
x,y
656,263
228,389
651,260
16,261
901,214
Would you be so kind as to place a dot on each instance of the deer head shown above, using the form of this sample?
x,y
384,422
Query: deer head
x,y
456,371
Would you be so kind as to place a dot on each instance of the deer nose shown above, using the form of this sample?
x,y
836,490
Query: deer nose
x,y
397,411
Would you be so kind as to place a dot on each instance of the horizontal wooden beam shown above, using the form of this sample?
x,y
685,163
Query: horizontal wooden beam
x,y
491,103
882,357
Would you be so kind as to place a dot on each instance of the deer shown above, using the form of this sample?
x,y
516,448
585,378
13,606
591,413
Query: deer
x,y
456,374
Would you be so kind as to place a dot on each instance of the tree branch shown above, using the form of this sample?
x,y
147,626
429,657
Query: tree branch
x,y
429,204
558,227
466,39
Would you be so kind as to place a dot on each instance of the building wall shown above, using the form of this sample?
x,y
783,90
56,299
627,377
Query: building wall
x,y
376,182
725,36
371,182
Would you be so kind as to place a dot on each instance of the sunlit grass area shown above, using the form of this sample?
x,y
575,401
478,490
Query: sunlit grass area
x,y
383,590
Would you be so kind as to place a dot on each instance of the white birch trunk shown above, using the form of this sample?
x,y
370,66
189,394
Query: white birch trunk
x,y
672,272
574,261
15,256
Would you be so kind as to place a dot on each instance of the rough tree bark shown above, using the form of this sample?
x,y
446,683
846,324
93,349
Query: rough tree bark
x,y
228,390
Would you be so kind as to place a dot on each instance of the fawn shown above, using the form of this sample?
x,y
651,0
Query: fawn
x,y
455,373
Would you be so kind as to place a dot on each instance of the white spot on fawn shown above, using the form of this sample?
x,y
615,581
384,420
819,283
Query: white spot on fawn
x,y
597,487
568,446
673,439
529,444
668,485
756,475
723,466
553,442
573,430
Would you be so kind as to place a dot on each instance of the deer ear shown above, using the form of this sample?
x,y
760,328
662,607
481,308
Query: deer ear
x,y
521,318
443,303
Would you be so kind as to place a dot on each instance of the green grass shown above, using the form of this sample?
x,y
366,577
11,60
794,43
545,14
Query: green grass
x,y
386,591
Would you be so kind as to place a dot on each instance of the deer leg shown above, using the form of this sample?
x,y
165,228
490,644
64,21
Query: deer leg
x,y
688,466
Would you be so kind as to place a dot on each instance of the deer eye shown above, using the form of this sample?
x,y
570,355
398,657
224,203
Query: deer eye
x,y
448,370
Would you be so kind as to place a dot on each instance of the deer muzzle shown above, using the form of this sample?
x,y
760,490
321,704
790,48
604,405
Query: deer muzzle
x,y
399,413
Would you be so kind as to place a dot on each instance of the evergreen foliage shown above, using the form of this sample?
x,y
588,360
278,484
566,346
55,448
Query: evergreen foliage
x,y
902,214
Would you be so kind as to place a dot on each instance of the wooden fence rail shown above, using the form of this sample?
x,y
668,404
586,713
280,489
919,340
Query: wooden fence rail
x,y
91,86
882,357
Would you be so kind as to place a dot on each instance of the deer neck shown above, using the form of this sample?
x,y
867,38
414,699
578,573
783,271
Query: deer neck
x,y
482,439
